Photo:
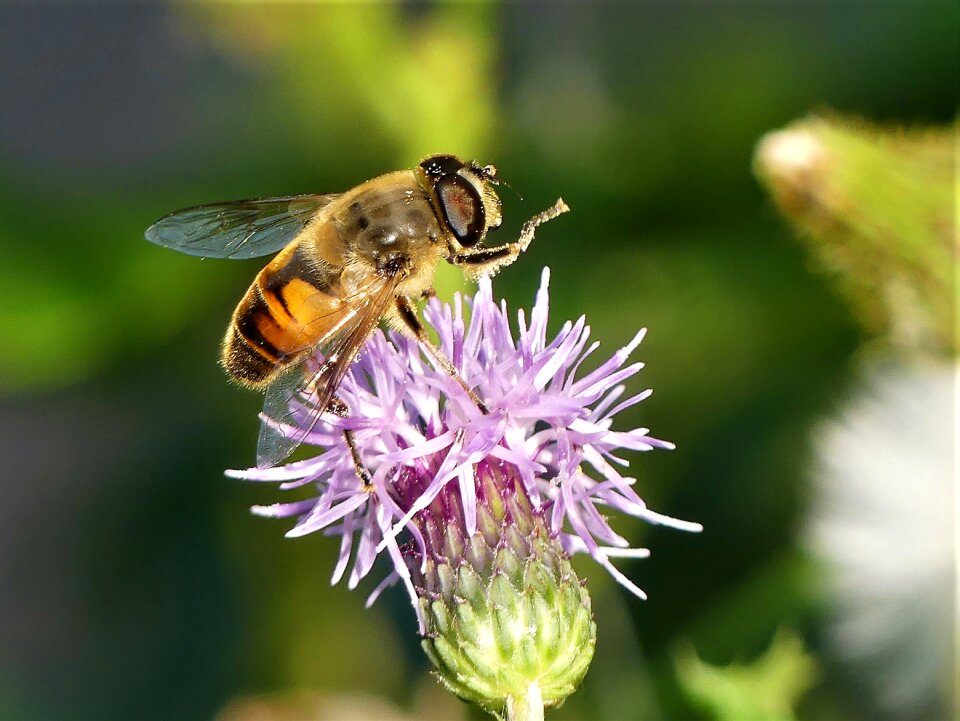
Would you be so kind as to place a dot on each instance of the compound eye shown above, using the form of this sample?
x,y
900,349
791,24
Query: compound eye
x,y
436,166
462,209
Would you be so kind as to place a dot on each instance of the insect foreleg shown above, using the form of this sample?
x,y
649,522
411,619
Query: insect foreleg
x,y
340,408
408,315
487,261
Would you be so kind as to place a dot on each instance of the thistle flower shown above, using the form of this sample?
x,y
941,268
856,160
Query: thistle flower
x,y
479,512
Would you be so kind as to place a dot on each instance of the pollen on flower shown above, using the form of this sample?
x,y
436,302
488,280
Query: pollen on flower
x,y
436,459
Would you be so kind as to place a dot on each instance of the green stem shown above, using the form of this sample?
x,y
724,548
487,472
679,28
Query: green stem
x,y
526,708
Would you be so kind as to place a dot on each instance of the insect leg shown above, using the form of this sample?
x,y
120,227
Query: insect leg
x,y
339,407
408,314
487,261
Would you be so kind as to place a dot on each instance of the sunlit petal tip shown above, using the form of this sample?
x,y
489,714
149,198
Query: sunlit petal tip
x,y
275,510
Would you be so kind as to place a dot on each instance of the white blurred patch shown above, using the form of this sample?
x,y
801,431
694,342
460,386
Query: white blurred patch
x,y
790,153
882,519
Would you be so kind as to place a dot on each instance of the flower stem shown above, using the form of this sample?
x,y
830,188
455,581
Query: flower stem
x,y
526,708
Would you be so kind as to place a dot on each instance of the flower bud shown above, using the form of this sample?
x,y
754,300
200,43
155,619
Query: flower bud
x,y
505,615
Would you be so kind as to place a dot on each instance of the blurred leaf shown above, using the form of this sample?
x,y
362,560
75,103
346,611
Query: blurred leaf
x,y
877,209
765,690
419,83
98,292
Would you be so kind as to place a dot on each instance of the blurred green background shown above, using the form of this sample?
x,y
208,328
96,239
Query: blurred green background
x,y
133,582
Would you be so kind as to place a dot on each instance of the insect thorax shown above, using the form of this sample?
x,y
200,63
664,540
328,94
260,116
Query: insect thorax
x,y
389,223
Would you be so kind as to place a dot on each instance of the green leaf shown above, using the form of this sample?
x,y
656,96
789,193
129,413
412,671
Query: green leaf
x,y
767,689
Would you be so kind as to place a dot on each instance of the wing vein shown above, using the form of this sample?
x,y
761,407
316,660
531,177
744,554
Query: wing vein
x,y
237,229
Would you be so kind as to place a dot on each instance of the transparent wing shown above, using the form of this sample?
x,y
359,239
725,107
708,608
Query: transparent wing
x,y
296,400
238,229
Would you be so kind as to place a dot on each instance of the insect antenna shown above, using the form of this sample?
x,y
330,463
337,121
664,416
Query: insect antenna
x,y
500,181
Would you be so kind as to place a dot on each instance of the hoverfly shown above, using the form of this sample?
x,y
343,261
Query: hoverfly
x,y
345,262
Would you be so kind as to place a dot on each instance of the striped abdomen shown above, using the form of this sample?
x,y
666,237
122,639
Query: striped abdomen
x,y
290,307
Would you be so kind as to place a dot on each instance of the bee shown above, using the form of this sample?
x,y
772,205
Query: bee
x,y
345,262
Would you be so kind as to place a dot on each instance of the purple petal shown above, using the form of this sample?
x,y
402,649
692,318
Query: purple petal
x,y
284,510
318,521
